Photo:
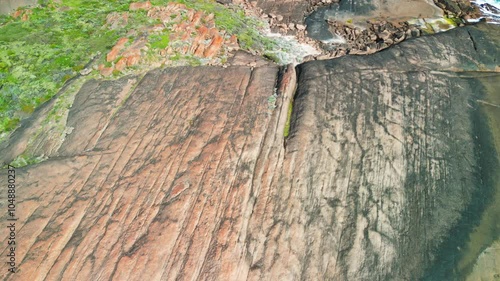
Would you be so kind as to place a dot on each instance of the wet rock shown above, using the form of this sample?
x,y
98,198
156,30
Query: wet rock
x,y
379,101
458,8
490,8
377,35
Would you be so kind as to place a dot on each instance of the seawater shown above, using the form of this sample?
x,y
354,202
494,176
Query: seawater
x,y
490,10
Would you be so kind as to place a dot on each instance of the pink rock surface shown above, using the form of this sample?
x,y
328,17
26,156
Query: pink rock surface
x,y
115,51
140,6
153,191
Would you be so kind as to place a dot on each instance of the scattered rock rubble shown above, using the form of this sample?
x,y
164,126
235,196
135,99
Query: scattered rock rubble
x,y
193,33
23,13
377,36
459,8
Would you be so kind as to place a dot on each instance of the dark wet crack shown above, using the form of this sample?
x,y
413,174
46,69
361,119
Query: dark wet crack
x,y
473,41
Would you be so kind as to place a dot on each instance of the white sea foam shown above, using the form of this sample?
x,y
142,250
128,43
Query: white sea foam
x,y
490,10
289,49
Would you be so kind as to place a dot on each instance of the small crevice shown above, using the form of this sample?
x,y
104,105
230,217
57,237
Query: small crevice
x,y
473,41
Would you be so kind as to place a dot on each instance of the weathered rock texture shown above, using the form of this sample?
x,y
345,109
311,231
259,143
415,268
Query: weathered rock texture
x,y
391,149
187,176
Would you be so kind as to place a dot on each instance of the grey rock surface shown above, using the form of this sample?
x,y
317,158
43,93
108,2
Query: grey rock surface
x,y
393,154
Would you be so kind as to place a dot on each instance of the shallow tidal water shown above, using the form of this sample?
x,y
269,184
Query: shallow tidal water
x,y
490,9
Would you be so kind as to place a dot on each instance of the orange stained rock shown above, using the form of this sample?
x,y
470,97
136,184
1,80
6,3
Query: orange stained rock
x,y
106,71
197,18
121,42
190,14
133,60
233,39
113,54
210,23
129,212
158,13
185,36
196,42
200,50
17,13
121,64
140,6
213,32
184,49
182,27
209,17
214,47
132,52
202,31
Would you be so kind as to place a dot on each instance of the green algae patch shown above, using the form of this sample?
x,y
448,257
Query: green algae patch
x,y
38,55
26,160
159,41
288,122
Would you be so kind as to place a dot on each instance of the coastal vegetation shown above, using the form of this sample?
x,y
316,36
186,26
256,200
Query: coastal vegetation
x,y
41,48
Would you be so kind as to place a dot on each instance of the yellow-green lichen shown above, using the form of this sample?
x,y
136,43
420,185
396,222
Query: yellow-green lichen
x,y
286,131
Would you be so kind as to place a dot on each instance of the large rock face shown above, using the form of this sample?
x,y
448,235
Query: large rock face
x,y
149,186
184,174
392,151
